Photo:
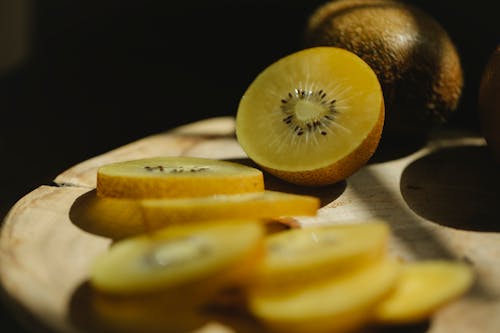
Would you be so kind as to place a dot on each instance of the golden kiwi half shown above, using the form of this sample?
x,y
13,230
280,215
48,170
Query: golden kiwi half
x,y
313,117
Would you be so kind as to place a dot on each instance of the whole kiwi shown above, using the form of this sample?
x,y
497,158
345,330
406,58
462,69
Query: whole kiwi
x,y
489,103
413,56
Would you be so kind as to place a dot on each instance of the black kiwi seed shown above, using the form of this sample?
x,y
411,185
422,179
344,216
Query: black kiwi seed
x,y
179,169
319,97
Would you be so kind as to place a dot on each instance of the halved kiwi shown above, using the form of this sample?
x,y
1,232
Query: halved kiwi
x,y
189,261
313,117
176,177
297,257
422,288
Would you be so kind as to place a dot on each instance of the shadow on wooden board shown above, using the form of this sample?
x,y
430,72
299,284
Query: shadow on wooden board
x,y
456,187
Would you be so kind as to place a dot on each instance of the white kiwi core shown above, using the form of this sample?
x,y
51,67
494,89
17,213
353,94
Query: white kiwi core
x,y
308,111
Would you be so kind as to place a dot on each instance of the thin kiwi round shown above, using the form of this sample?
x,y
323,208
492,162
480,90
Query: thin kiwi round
x,y
297,257
342,303
264,205
313,117
184,260
415,59
423,288
176,177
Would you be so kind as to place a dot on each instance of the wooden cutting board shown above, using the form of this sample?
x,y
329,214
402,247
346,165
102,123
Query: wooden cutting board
x,y
440,199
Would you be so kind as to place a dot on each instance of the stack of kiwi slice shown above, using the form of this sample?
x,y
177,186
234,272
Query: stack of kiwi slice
x,y
318,279
164,277
156,281
184,230
143,195
340,278
189,231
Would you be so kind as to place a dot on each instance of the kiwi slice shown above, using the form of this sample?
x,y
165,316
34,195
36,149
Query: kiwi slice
x,y
261,205
115,218
189,261
422,288
413,56
303,256
339,304
313,117
175,177
121,217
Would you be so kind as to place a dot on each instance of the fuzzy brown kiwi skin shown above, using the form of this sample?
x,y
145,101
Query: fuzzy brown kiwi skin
x,y
421,75
341,169
489,103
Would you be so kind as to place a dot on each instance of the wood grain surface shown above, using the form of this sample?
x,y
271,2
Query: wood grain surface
x,y
440,199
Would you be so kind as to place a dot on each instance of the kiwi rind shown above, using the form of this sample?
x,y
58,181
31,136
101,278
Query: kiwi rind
x,y
417,63
489,103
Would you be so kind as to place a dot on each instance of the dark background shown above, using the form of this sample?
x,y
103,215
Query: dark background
x,y
100,74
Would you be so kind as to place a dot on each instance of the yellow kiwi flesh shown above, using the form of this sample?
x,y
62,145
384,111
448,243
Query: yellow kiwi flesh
x,y
121,217
313,117
176,177
180,260
413,56
422,288
303,256
339,304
